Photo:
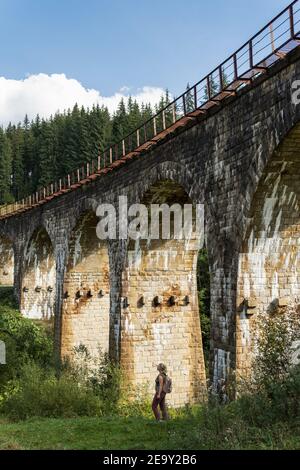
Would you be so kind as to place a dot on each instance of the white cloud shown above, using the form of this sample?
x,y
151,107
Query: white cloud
x,y
46,94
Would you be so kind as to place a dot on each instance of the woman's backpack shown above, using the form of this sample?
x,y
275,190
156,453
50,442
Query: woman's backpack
x,y
167,388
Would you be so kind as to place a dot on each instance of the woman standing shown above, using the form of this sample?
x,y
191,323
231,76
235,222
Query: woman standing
x,y
160,395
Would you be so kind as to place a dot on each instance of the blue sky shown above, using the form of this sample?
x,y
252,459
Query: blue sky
x,y
110,44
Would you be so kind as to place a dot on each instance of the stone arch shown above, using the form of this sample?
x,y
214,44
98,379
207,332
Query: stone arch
x,y
38,277
6,262
168,171
159,308
269,259
86,290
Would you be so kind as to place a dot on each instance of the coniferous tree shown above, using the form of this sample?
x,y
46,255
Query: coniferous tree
x,y
71,141
28,158
47,154
17,146
5,169
120,126
189,100
42,151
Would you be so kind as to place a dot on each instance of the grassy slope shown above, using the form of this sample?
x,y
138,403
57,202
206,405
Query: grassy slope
x,y
136,433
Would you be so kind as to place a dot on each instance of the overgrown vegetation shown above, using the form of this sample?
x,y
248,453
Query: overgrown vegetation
x,y
25,341
257,424
38,405
271,394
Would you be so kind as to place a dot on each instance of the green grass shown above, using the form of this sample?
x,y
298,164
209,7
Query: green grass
x,y
111,433
268,419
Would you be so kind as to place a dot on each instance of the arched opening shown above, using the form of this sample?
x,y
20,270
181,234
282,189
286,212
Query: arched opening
x,y
6,262
269,262
39,278
86,304
203,284
160,309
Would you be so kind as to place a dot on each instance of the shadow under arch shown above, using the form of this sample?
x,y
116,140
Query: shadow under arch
x,y
269,259
86,290
174,172
38,277
6,261
159,311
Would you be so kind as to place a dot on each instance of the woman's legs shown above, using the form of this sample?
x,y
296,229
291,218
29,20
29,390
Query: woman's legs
x,y
163,407
161,402
155,410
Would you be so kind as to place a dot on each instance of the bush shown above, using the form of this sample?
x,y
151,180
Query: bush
x,y
39,392
276,337
104,377
278,401
24,340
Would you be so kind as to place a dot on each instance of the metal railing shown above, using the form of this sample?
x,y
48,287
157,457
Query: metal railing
x,y
270,45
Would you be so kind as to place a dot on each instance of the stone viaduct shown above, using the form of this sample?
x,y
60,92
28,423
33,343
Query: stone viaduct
x,y
242,161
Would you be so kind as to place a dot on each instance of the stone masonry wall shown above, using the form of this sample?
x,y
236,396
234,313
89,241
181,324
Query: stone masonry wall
x,y
6,263
165,333
220,161
269,266
86,291
38,280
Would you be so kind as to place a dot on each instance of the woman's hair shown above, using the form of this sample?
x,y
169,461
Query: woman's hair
x,y
162,368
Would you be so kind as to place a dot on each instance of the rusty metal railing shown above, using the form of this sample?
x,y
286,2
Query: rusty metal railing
x,y
270,45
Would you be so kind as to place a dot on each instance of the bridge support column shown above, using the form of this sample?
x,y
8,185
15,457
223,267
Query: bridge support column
x,y
60,257
6,262
86,295
18,271
117,257
223,281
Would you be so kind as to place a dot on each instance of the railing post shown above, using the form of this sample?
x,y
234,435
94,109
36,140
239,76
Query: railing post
x,y
174,112
272,37
292,27
138,138
184,104
208,87
235,66
195,97
164,120
251,54
110,155
99,162
221,78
